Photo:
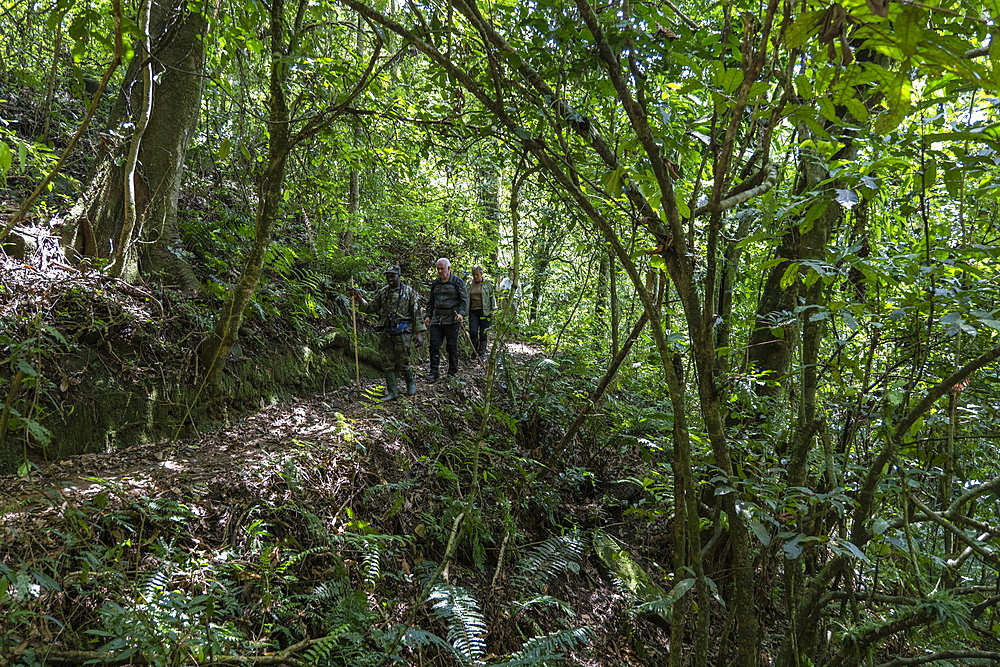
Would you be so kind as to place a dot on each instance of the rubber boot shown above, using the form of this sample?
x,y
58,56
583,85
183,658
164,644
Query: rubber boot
x,y
411,382
390,387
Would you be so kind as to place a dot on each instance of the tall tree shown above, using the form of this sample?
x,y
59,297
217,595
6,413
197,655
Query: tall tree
x,y
128,211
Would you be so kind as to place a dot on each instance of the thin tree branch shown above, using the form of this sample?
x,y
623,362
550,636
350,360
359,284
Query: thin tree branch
x,y
862,533
104,659
940,655
112,67
594,397
744,192
951,528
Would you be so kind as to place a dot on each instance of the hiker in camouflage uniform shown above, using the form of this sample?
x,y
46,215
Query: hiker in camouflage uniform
x,y
399,323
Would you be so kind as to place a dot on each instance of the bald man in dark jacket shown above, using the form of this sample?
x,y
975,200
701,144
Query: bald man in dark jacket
x,y
447,306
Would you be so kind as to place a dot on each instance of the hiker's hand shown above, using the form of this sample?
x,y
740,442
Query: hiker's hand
x,y
427,321
355,294
420,340
458,317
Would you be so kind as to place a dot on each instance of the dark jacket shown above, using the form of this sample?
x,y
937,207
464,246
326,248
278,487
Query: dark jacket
x,y
446,299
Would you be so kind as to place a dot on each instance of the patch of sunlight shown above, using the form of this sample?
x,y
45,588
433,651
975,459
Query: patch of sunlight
x,y
521,348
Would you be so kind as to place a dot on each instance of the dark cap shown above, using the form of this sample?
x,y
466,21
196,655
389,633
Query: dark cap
x,y
392,269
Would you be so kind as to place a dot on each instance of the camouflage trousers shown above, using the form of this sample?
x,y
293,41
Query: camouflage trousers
x,y
396,351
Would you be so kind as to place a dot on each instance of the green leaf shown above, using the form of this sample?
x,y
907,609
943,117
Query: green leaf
x,y
804,27
804,86
612,180
225,148
898,97
857,109
6,158
909,29
847,198
793,548
28,369
42,435
731,79
678,591
789,276
761,533
851,548
828,111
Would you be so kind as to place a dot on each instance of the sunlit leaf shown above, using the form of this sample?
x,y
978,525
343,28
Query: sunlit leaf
x,y
847,198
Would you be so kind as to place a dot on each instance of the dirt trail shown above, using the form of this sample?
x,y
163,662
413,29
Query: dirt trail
x,y
250,445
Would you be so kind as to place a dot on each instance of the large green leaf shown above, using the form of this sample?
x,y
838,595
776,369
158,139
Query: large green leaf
x,y
909,29
805,26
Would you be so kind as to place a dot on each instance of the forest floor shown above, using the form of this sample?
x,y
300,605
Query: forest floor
x,y
353,466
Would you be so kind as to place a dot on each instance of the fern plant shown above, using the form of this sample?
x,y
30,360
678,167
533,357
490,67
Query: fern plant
x,y
459,609
548,649
549,559
466,626
341,646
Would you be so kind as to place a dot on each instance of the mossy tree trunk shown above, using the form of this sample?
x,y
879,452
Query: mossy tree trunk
x,y
222,338
285,45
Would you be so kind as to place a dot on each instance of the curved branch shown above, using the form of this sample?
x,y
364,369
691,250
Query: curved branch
x,y
943,388
986,487
761,182
285,657
862,533
322,120
984,553
940,655
911,619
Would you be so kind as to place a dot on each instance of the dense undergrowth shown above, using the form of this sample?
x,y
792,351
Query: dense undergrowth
x,y
332,531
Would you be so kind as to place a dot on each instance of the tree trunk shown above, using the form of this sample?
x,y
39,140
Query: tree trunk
x,y
223,336
94,225
601,295
488,195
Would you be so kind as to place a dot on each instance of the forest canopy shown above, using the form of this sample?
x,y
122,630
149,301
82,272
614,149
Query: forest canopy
x,y
756,243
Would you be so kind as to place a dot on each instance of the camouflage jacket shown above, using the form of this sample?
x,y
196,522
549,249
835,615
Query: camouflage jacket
x,y
393,305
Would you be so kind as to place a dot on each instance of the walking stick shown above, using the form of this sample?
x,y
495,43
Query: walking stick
x,y
354,324
468,337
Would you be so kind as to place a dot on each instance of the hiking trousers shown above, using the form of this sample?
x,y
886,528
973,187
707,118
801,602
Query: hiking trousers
x,y
439,334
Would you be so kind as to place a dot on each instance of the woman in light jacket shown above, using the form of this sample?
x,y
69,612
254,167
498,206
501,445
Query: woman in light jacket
x,y
482,302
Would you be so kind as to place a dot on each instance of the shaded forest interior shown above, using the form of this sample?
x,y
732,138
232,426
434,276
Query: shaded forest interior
x,y
740,402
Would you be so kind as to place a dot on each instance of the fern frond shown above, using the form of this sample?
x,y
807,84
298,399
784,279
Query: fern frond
x,y
549,559
372,559
157,580
320,652
521,605
459,610
548,649
328,590
662,606
296,557
415,638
